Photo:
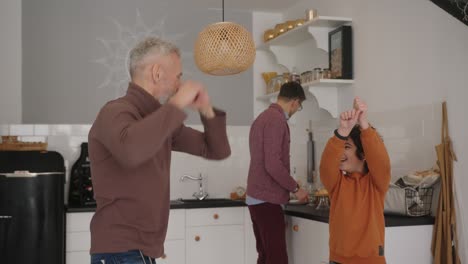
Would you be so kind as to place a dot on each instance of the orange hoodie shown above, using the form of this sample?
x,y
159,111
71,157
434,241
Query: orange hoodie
x,y
357,224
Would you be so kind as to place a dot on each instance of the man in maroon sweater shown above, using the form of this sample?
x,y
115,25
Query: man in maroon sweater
x,y
130,146
269,182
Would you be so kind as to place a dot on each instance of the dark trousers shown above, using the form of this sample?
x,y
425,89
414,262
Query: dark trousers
x,y
270,233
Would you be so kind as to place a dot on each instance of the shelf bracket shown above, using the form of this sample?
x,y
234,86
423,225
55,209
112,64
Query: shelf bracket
x,y
272,99
320,34
327,98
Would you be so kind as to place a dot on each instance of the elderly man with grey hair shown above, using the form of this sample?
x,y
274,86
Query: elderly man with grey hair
x,y
130,146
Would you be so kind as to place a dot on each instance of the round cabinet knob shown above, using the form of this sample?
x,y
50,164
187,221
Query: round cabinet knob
x,y
197,238
295,228
215,216
164,256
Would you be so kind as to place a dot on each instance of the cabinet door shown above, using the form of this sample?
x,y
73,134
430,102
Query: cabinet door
x,y
408,244
289,233
174,252
308,241
215,244
251,254
215,216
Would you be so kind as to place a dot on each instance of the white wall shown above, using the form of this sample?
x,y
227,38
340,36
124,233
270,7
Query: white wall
x,y
10,61
409,56
74,62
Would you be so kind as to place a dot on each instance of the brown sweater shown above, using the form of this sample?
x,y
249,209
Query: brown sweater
x,y
130,146
357,224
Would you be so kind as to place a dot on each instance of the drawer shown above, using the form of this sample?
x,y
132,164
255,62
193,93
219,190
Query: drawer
x,y
78,222
215,216
176,226
78,235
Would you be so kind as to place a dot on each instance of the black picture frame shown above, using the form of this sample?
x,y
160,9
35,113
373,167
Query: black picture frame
x,y
340,55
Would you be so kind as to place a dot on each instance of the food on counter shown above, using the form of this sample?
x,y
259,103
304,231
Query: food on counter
x,y
426,173
321,192
238,193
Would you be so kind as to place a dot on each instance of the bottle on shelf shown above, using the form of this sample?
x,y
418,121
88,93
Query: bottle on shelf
x,y
295,76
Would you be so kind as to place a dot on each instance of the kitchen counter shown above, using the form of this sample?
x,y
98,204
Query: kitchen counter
x,y
181,204
303,211
308,212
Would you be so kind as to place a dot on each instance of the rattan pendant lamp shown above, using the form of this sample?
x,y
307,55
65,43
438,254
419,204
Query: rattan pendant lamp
x,y
224,48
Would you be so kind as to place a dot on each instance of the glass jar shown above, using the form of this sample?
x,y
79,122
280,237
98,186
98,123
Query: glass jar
x,y
275,84
306,77
286,77
295,77
326,74
323,203
317,74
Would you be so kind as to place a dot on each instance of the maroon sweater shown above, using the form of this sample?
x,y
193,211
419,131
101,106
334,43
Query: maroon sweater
x,y
130,146
269,177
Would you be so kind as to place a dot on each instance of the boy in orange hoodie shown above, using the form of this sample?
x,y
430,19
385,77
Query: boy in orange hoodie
x,y
355,169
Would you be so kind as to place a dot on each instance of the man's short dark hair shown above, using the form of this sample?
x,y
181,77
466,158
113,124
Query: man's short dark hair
x,y
292,90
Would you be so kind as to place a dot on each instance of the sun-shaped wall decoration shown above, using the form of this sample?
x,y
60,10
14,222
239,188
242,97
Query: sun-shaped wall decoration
x,y
117,51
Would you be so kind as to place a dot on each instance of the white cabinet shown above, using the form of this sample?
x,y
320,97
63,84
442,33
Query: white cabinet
x,y
78,257
215,235
307,241
174,252
251,254
408,244
174,245
78,238
215,244
194,236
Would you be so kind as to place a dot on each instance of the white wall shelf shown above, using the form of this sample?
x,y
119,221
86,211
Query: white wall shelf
x,y
271,97
328,83
324,90
301,49
318,28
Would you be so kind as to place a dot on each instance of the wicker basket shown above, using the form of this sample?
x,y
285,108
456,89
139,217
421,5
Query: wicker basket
x,y
12,143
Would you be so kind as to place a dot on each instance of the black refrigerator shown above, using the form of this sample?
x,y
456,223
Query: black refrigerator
x,y
32,216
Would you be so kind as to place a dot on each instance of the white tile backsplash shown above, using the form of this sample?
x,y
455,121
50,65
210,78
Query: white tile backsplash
x,y
4,130
409,134
32,139
21,130
41,130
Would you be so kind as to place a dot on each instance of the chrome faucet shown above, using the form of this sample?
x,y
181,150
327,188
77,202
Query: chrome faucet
x,y
201,194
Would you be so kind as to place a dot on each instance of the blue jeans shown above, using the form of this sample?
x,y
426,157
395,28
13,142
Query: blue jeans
x,y
129,257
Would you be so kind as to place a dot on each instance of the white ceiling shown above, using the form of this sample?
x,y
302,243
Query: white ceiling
x,y
260,5
250,5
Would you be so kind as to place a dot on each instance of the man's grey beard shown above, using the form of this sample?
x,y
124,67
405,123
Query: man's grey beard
x,y
164,99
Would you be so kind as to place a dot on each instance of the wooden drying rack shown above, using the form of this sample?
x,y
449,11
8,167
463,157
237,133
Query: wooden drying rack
x,y
12,143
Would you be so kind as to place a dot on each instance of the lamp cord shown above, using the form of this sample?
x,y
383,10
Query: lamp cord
x,y
223,10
